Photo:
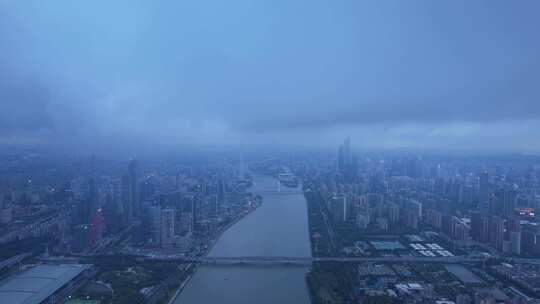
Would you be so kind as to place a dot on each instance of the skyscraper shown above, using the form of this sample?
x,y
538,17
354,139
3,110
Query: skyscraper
x,y
496,232
509,202
344,154
154,213
483,192
97,227
221,192
93,203
338,206
126,200
167,227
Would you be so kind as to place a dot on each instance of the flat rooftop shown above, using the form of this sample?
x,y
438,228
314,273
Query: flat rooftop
x,y
34,285
387,245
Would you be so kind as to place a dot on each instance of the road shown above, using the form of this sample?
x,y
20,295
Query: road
x,y
277,260
255,260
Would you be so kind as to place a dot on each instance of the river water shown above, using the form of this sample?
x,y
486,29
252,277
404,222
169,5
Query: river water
x,y
277,228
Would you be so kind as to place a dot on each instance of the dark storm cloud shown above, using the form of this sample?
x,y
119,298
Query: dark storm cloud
x,y
26,107
219,71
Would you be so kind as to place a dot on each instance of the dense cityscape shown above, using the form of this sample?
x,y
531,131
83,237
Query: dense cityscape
x,y
382,228
269,152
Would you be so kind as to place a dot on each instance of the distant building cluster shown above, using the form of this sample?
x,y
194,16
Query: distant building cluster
x,y
469,201
90,206
424,229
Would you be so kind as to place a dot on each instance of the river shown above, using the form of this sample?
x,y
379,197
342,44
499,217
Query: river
x,y
278,227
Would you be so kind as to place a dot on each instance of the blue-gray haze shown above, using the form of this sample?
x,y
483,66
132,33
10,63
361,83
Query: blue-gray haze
x,y
456,75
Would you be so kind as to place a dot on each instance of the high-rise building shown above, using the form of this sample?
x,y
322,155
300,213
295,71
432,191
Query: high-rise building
x,y
393,213
186,222
167,227
362,221
496,232
413,168
411,219
438,186
467,194
530,239
213,203
459,229
126,200
221,192
154,212
483,192
81,238
116,189
477,223
509,202
374,200
341,160
515,240
434,218
93,200
111,214
345,164
415,207
97,227
382,223
338,205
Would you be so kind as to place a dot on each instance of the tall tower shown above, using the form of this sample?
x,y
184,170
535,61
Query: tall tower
x,y
345,160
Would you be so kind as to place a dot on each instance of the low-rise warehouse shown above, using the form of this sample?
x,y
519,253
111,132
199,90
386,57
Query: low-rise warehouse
x,y
42,284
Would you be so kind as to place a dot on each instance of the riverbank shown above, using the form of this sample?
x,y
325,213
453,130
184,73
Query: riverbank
x,y
210,246
178,291
278,228
223,229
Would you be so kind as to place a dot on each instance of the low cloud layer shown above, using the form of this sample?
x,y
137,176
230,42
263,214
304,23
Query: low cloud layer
x,y
392,74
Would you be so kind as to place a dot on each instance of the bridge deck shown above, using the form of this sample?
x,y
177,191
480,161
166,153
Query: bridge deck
x,y
259,260
284,260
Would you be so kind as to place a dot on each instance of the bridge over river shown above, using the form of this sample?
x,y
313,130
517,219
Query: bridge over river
x,y
276,260
292,260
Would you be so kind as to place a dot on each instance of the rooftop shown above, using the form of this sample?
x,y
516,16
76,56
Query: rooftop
x,y
36,284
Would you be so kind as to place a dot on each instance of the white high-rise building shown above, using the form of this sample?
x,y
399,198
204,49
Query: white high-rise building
x,y
338,205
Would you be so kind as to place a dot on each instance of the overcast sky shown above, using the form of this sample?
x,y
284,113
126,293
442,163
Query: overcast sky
x,y
456,75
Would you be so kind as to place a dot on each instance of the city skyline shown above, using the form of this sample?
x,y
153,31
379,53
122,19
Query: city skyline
x,y
269,151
